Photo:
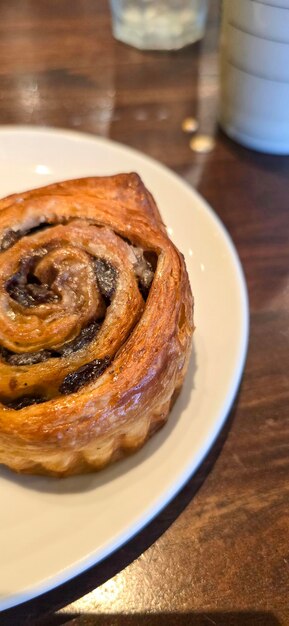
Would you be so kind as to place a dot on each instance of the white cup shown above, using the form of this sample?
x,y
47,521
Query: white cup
x,y
259,18
254,93
255,55
250,116
275,3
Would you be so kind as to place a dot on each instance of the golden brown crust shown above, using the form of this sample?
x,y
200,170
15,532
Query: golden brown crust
x,y
147,343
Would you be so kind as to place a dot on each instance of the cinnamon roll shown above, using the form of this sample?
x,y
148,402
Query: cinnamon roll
x,y
96,322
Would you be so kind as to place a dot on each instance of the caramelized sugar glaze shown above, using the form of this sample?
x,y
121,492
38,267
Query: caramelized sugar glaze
x,y
96,321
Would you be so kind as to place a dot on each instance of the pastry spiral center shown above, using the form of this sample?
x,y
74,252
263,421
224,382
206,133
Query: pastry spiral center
x,y
70,295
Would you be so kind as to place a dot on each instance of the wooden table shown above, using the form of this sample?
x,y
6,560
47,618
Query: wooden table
x,y
219,553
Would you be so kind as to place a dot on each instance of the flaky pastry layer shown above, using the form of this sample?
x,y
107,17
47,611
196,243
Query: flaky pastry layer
x,y
96,324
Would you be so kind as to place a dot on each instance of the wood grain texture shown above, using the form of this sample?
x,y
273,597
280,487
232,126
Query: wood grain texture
x,y
219,553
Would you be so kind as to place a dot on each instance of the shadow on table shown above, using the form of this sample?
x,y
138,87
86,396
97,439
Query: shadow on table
x,y
231,618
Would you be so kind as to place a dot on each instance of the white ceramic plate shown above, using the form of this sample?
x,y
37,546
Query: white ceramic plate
x,y
51,530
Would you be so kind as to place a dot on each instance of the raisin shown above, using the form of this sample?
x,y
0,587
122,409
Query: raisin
x,y
9,239
28,294
84,375
85,336
29,358
4,353
11,236
106,276
37,229
21,403
25,288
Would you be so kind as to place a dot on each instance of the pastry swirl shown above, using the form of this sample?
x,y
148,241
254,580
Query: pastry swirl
x,y
96,320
